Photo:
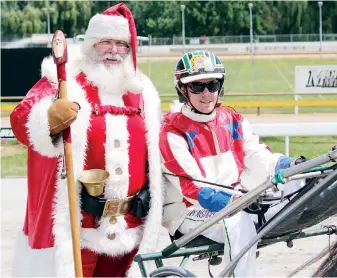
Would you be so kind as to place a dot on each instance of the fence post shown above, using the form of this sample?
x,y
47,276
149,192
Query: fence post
x,y
286,144
296,107
149,61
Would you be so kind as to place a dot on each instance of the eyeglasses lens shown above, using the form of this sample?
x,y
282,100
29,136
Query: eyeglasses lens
x,y
199,87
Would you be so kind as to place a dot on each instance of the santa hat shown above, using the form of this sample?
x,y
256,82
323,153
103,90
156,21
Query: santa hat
x,y
114,23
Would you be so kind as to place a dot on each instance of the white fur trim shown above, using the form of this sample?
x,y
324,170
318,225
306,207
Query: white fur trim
x,y
38,130
117,158
136,84
153,221
97,239
48,68
176,106
61,229
64,263
37,124
28,262
109,98
105,26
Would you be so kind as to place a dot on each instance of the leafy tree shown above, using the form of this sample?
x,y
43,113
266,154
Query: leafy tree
x,y
293,15
32,21
160,19
20,19
10,20
71,17
164,18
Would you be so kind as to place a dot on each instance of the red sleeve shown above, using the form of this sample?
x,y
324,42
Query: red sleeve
x,y
169,150
20,114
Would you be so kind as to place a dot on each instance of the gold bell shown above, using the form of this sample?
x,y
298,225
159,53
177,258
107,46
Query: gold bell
x,y
93,180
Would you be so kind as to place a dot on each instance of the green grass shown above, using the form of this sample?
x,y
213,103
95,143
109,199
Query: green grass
x,y
13,159
247,76
242,76
15,164
309,147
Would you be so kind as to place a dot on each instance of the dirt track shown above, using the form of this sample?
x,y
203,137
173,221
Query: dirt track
x,y
274,261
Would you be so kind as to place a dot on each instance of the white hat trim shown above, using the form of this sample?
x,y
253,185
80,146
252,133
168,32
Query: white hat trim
x,y
106,27
201,76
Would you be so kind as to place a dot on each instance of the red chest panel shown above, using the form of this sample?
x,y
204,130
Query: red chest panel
x,y
220,135
96,136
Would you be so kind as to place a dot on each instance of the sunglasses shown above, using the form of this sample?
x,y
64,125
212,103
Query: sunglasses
x,y
199,87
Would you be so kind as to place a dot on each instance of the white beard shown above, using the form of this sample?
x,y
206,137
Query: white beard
x,y
112,80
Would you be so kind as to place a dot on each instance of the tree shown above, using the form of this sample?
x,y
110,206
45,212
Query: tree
x,y
158,18
293,15
10,20
32,21
71,17
163,18
20,22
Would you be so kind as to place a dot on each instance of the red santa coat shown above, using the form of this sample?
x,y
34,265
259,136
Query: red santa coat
x,y
122,145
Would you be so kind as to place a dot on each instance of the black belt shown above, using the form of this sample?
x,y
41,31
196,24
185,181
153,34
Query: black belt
x,y
102,207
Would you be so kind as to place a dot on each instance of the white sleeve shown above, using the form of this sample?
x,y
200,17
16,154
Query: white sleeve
x,y
177,160
259,161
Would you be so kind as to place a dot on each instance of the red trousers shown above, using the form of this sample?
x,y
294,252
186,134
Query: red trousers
x,y
95,265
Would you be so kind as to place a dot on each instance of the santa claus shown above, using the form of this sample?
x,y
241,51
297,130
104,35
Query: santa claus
x,y
114,113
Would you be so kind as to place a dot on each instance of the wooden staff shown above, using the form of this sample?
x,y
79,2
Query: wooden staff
x,y
60,55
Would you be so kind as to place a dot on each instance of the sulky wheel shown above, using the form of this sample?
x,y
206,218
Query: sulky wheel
x,y
171,271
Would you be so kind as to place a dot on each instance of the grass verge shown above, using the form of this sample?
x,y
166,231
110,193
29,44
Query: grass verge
x,y
14,155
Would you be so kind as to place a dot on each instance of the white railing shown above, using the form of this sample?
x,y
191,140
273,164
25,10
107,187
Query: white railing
x,y
272,130
177,40
298,129
244,48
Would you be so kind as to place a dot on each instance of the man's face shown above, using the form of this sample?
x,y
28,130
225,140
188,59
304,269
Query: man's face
x,y
203,94
58,47
111,52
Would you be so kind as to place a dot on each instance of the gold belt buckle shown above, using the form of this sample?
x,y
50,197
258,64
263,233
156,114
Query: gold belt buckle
x,y
116,207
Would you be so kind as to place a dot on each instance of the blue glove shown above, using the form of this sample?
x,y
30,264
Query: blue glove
x,y
213,200
284,162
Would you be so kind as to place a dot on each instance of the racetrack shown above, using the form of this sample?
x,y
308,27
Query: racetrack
x,y
275,261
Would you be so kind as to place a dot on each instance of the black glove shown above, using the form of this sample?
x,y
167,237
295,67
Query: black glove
x,y
300,160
